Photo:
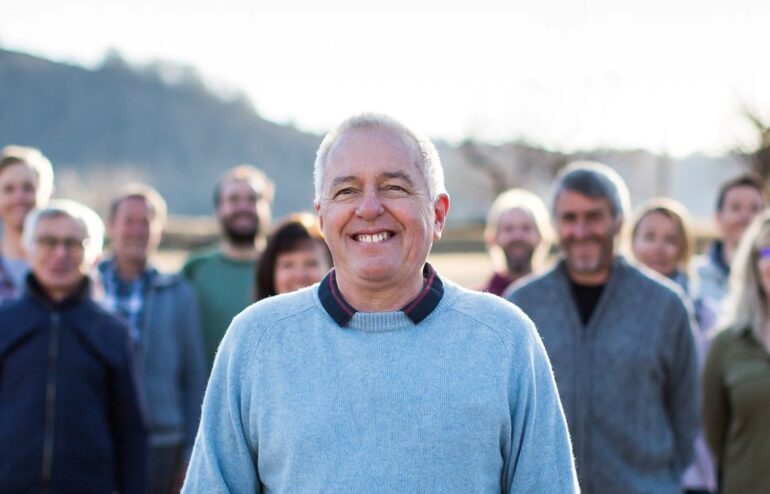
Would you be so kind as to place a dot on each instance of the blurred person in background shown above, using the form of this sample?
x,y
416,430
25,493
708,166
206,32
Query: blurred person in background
x,y
739,200
296,256
661,240
161,312
224,279
736,378
518,237
620,342
69,398
26,182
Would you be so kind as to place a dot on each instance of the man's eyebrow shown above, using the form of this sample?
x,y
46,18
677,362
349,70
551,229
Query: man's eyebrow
x,y
343,179
398,175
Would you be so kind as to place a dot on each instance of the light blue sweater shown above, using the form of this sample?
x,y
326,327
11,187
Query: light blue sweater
x,y
465,401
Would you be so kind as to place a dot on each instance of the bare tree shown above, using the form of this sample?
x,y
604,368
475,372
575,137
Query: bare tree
x,y
759,157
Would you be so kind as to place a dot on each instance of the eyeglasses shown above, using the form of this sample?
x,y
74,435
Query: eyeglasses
x,y
70,244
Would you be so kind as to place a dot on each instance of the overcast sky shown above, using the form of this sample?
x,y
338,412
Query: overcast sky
x,y
668,76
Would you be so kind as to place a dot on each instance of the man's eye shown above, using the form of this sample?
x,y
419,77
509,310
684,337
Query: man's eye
x,y
344,192
394,187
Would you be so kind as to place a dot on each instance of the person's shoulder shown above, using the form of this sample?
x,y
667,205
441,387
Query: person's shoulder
x,y
488,311
260,317
197,260
651,281
532,284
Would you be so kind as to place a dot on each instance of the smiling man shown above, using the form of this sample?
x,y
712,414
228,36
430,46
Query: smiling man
x,y
161,313
384,377
620,343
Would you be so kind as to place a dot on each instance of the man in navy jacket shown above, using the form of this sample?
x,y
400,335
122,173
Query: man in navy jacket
x,y
70,417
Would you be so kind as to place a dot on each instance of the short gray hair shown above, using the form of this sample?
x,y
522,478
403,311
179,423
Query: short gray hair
x,y
432,169
596,181
91,222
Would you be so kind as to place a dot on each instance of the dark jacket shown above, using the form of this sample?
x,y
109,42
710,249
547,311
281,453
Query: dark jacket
x,y
70,417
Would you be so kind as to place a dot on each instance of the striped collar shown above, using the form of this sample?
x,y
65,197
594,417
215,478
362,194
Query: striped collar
x,y
416,310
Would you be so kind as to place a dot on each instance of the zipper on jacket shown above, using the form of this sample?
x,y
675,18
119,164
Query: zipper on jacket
x,y
50,400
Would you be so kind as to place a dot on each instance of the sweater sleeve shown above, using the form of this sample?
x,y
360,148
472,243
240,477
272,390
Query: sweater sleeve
x,y
716,408
223,459
194,362
540,458
131,434
680,388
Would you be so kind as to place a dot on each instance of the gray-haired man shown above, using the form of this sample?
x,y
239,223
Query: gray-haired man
x,y
384,377
620,344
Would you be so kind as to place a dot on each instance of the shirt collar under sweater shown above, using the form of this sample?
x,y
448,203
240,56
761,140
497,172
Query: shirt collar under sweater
x,y
418,309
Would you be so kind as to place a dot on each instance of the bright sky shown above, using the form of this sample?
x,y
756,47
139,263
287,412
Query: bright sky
x,y
661,74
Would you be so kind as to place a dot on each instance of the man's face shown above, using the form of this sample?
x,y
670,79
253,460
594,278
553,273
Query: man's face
x,y
134,231
518,237
587,232
56,258
18,194
741,204
375,208
241,211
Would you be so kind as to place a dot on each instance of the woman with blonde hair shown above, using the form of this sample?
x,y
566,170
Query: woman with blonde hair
x,y
661,240
736,381
26,182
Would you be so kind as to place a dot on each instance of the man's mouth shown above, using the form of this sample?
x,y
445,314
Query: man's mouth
x,y
373,238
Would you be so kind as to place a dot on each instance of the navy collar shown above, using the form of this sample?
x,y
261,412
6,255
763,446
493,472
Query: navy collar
x,y
416,310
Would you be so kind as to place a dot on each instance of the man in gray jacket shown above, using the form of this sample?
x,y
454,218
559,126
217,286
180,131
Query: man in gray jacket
x,y
620,343
162,315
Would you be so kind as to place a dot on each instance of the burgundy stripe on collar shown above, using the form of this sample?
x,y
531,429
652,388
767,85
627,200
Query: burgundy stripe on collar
x,y
417,310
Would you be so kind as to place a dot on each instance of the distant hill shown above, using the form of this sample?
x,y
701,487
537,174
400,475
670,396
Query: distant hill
x,y
157,123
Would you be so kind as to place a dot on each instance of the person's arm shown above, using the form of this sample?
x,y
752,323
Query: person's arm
x,y
540,458
131,439
223,459
716,405
680,391
194,367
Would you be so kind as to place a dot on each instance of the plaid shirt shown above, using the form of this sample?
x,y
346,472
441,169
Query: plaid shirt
x,y
126,299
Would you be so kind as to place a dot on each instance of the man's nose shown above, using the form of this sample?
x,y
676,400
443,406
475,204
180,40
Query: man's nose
x,y
582,229
370,206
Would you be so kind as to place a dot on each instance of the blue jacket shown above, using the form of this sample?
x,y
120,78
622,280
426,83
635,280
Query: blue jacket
x,y
70,417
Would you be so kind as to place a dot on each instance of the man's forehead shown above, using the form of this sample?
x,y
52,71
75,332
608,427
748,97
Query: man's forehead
x,y
60,225
574,201
241,186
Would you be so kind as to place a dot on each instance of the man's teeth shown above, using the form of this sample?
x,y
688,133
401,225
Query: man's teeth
x,y
377,237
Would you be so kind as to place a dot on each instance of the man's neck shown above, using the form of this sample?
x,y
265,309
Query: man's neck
x,y
373,297
589,279
249,252
130,270
10,246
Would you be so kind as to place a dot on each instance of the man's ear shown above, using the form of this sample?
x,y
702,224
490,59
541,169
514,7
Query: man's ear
x,y
317,206
440,211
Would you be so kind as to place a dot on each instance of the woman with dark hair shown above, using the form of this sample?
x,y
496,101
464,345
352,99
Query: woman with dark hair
x,y
296,256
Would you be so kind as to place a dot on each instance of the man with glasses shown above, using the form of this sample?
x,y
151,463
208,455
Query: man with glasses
x,y
69,402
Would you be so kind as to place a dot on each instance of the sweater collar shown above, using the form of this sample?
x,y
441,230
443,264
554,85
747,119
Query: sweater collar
x,y
416,310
